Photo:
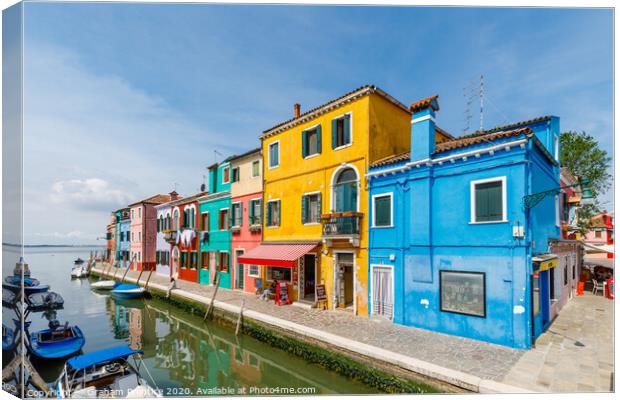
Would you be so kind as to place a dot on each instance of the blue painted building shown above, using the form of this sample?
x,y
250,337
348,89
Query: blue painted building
x,y
451,247
215,222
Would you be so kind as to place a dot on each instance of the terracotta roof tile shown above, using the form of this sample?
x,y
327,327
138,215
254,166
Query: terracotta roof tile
x,y
470,140
156,199
391,159
425,103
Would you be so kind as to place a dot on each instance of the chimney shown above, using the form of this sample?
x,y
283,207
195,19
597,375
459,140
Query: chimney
x,y
297,110
173,195
423,127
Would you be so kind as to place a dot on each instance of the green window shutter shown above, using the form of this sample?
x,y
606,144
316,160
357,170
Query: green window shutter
x,y
347,128
489,205
278,213
260,211
240,214
319,141
334,133
495,202
304,209
268,220
251,212
382,211
304,144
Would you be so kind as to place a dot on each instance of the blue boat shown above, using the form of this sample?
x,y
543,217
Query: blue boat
x,y
57,342
103,373
128,291
31,285
8,339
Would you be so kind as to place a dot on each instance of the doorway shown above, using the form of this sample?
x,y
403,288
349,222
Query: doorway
x,y
175,263
309,277
239,275
344,280
382,287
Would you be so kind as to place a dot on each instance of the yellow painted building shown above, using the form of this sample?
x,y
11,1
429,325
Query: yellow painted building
x,y
315,190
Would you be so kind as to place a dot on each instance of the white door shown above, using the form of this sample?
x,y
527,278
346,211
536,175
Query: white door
x,y
382,291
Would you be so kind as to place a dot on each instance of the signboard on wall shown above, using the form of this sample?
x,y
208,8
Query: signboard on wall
x,y
321,294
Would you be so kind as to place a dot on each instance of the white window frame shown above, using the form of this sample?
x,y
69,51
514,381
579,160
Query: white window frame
x,y
267,205
269,154
472,200
232,206
252,167
223,174
257,275
344,146
218,218
310,194
332,197
318,153
251,206
374,214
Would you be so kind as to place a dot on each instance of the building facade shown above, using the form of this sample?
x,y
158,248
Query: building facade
x,y
111,239
124,256
143,231
315,194
246,192
165,236
453,248
214,221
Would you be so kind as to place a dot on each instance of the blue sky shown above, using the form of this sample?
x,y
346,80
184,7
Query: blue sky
x,y
124,100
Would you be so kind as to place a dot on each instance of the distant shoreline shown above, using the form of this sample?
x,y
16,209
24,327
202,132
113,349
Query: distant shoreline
x,y
52,245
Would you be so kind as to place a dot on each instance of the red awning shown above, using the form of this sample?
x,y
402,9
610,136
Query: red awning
x,y
277,255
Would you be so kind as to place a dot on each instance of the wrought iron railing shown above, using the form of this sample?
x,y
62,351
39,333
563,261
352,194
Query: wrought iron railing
x,y
341,224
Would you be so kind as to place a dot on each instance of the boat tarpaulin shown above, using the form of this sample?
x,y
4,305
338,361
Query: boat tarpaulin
x,y
101,356
277,255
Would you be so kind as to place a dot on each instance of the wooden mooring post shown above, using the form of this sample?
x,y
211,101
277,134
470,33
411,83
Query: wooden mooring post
x,y
146,285
217,285
240,318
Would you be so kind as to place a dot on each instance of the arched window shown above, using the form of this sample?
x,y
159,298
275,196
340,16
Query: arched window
x,y
176,220
344,191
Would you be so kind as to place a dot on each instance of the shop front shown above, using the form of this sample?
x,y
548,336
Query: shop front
x,y
294,264
545,291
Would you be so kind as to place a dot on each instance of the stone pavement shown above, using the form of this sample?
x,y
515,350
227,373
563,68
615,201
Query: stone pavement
x,y
480,359
576,353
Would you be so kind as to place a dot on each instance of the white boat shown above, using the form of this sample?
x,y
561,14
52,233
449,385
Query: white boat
x,y
104,285
79,272
104,373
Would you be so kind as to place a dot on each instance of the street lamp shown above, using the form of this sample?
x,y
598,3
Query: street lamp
x,y
531,200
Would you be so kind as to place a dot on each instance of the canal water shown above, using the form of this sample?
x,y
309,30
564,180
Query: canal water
x,y
184,355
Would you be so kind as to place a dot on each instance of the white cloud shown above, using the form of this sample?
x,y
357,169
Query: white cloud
x,y
89,194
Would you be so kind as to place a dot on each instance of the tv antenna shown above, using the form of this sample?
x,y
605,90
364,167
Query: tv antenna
x,y
215,154
474,90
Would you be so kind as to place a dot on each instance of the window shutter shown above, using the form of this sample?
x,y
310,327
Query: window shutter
x,y
482,204
304,144
495,202
251,212
319,141
268,214
320,204
260,211
334,133
347,129
278,213
240,214
304,209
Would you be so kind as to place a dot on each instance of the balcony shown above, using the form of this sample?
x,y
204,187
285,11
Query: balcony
x,y
170,236
255,223
341,226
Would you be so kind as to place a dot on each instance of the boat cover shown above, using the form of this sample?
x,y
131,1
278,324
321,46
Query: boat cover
x,y
101,356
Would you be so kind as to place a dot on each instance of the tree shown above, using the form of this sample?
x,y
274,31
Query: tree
x,y
582,156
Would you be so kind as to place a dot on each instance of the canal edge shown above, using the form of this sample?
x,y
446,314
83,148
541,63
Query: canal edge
x,y
446,378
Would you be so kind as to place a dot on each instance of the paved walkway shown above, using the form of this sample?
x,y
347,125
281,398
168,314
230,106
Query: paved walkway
x,y
576,353
471,357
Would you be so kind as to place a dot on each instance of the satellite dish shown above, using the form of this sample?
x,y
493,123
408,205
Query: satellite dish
x,y
203,187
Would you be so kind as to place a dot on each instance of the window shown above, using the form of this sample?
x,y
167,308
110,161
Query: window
x,y
344,192
552,295
131,214
463,292
274,155
488,200
341,131
226,175
566,272
281,274
235,174
557,210
223,260
597,234
237,215
254,271
139,237
139,257
139,212
193,260
183,260
574,269
175,225
122,237
255,169
204,221
382,210
535,294
311,208
223,223
255,212
273,213
204,260
311,141
133,237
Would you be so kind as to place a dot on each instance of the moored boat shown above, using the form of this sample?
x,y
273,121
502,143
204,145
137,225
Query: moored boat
x,y
8,339
128,290
8,298
56,342
31,285
45,301
104,285
79,269
103,373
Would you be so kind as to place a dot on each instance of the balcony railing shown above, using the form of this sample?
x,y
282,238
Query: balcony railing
x,y
170,236
345,225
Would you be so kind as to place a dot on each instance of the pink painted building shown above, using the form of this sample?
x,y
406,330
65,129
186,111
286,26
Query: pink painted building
x,y
246,192
143,231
